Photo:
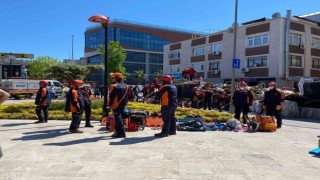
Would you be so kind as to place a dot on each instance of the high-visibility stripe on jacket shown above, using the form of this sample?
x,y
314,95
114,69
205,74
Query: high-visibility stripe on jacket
x,y
167,95
117,92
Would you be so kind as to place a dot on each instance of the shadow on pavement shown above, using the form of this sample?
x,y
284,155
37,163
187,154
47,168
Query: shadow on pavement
x,y
14,124
46,134
134,140
79,141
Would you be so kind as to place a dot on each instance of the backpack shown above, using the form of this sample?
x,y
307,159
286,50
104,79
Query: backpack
x,y
48,96
68,99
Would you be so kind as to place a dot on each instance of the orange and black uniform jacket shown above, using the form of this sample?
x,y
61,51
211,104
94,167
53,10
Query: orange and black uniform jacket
x,y
74,103
167,95
41,98
117,92
273,98
242,97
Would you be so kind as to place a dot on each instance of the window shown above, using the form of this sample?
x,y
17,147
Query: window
x,y
199,67
215,65
199,50
316,63
97,59
215,48
156,58
315,43
295,61
174,69
295,39
174,54
135,57
154,68
260,61
259,40
132,67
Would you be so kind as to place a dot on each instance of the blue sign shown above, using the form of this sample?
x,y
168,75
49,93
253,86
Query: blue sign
x,y
176,75
236,63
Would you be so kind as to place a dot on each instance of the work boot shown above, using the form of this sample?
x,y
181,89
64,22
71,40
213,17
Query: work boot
x,y
37,122
89,125
172,133
118,135
161,135
75,131
45,121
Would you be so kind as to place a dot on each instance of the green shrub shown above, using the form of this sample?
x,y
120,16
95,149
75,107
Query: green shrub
x,y
56,111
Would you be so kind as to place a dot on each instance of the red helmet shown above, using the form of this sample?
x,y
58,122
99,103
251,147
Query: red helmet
x,y
44,82
117,75
274,84
195,88
243,84
77,82
167,78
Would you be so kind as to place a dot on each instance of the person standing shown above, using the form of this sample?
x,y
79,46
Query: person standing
x,y
167,95
87,95
118,99
41,102
75,105
273,101
192,73
242,99
207,98
194,97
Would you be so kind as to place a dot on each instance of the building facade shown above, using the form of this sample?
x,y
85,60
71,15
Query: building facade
x,y
14,65
261,46
143,44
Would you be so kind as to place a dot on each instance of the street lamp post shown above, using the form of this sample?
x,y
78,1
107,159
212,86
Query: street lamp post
x,y
104,22
235,28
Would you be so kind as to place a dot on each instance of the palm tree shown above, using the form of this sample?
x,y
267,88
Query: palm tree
x,y
140,75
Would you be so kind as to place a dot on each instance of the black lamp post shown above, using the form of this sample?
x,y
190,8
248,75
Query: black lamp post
x,y
104,22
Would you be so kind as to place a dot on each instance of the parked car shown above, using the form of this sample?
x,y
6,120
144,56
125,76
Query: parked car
x,y
55,87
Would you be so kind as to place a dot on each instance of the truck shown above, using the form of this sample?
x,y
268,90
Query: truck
x,y
20,87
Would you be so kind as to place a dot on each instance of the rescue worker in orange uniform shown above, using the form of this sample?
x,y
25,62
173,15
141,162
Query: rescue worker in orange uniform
x,y
75,103
242,100
118,99
41,102
167,95
273,101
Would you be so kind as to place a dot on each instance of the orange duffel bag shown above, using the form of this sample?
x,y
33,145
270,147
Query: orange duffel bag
x,y
267,123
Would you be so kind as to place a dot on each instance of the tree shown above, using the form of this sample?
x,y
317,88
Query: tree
x,y
37,68
69,72
140,75
159,74
116,56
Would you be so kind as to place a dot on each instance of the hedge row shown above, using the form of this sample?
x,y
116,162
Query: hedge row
x,y
56,111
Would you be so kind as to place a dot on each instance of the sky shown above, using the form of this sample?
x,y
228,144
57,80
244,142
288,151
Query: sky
x,y
45,27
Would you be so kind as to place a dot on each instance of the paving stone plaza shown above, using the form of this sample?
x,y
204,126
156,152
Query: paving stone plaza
x,y
49,151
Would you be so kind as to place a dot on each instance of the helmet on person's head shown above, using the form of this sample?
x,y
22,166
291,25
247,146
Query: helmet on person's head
x,y
195,88
117,75
273,84
243,84
44,82
167,78
77,82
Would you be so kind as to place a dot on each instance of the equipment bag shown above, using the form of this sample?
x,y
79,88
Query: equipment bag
x,y
49,96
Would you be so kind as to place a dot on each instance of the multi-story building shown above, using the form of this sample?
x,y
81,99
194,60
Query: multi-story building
x,y
261,47
143,44
14,65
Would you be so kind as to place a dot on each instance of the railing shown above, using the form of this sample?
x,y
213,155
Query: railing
x,y
149,26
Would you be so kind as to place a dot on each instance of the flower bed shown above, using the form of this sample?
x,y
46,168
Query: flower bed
x,y
56,111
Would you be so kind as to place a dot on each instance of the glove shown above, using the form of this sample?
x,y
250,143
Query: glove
x,y
278,108
264,107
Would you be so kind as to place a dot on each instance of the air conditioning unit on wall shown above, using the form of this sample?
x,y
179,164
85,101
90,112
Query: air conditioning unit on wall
x,y
244,70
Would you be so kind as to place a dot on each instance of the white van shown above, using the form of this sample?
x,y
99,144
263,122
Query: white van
x,y
55,87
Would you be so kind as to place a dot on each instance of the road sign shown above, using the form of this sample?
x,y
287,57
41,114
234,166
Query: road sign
x,y
17,55
236,63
